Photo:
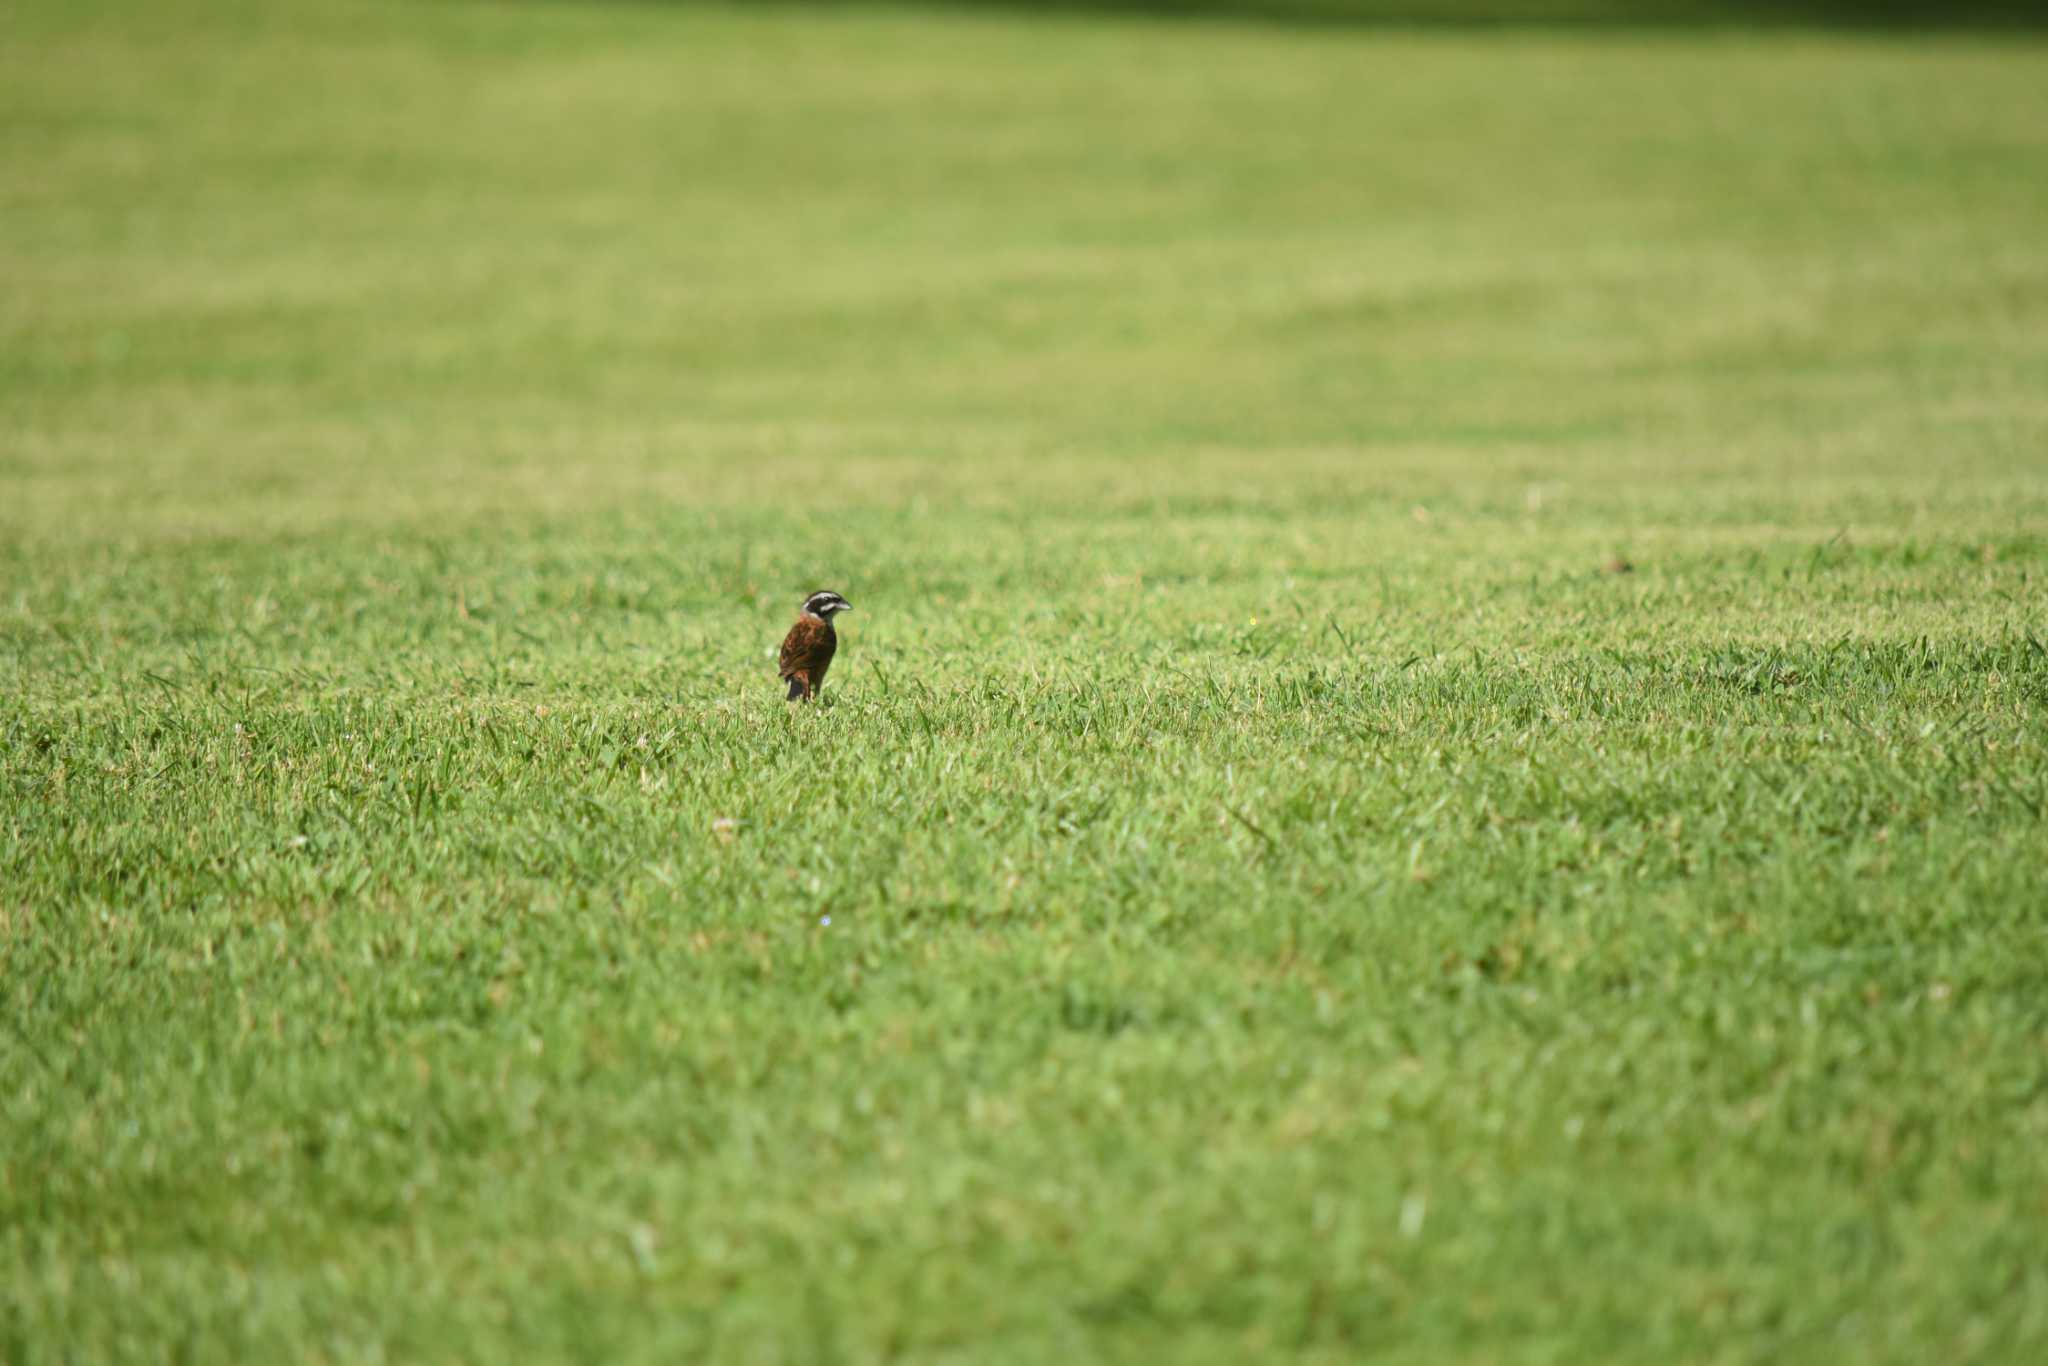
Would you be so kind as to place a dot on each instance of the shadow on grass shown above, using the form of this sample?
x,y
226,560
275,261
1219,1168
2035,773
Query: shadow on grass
x,y
2009,16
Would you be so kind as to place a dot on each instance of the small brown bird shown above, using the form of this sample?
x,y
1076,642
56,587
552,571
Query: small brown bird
x,y
808,648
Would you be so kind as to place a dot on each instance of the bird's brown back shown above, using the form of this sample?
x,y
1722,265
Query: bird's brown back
x,y
807,652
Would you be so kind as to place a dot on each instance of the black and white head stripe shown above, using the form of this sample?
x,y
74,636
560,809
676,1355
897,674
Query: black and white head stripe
x,y
824,603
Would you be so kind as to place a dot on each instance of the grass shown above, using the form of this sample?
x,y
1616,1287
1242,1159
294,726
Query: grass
x,y
1441,752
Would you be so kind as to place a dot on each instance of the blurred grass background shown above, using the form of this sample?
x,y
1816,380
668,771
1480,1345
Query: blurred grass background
x,y
1552,13
1441,752
570,244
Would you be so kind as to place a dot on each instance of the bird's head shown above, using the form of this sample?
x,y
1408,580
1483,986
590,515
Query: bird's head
x,y
825,604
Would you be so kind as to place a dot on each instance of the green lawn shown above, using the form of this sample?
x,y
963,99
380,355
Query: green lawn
x,y
1442,755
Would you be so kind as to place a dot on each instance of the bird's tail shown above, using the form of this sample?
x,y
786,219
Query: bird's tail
x,y
796,690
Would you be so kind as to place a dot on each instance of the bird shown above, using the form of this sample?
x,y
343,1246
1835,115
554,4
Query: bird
x,y
808,648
